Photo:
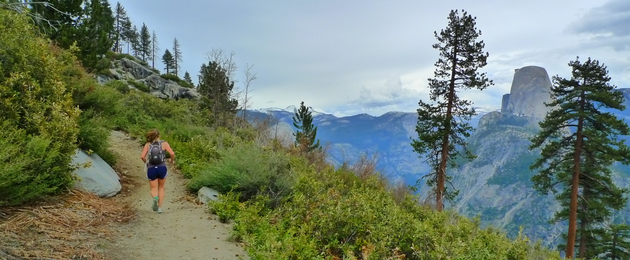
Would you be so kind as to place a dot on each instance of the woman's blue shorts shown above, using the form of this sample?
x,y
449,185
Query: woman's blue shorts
x,y
156,172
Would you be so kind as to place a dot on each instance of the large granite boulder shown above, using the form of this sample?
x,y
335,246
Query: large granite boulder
x,y
531,89
99,178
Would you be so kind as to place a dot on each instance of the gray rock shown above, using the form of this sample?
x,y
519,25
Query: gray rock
x,y
206,194
99,178
136,70
530,88
165,88
102,79
129,70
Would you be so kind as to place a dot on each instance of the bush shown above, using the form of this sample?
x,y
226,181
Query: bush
x,y
140,86
29,166
179,81
94,134
39,119
172,77
102,67
249,170
226,207
326,217
122,87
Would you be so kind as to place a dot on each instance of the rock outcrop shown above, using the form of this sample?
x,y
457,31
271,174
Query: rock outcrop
x,y
530,90
99,178
129,70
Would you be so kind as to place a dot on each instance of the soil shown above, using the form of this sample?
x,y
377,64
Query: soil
x,y
184,231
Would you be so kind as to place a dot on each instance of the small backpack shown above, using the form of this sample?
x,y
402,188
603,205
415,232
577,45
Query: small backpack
x,y
156,154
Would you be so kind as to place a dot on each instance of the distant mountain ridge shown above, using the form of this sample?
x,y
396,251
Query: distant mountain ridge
x,y
496,185
387,136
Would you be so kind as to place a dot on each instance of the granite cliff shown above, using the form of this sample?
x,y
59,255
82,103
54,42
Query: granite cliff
x,y
531,88
497,185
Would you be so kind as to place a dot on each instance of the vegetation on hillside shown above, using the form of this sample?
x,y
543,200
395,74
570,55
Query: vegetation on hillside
x,y
284,205
37,114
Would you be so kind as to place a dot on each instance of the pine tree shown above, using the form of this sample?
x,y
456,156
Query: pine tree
x,y
216,87
60,20
442,124
177,56
155,48
95,32
128,33
167,59
188,79
578,160
145,43
135,42
120,16
612,242
306,134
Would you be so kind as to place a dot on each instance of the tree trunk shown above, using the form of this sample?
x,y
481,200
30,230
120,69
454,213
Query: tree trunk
x,y
439,202
583,240
614,246
575,182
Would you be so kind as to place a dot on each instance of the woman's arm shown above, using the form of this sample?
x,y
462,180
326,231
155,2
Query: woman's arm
x,y
145,150
167,147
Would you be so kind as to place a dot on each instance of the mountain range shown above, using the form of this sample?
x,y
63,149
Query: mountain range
x,y
496,186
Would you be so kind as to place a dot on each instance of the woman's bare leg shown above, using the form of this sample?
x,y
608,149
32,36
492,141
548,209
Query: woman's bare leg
x,y
160,191
154,188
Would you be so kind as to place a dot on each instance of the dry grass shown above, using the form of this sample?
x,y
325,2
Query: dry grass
x,y
71,228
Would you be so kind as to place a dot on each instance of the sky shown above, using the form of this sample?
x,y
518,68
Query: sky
x,y
352,57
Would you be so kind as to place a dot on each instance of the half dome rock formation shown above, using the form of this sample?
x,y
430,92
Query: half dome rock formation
x,y
531,89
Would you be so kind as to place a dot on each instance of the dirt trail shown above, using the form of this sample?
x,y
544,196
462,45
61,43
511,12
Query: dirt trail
x,y
184,231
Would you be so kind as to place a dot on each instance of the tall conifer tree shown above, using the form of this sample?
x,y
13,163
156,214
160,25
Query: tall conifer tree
x,y
442,124
167,59
145,43
96,32
306,134
215,87
120,16
579,143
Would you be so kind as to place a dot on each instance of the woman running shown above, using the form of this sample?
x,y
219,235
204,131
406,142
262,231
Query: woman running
x,y
156,166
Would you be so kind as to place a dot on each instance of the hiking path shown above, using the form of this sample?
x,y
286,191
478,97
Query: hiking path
x,y
184,231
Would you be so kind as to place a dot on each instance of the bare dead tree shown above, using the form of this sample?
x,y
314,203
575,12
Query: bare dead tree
x,y
249,77
226,61
22,7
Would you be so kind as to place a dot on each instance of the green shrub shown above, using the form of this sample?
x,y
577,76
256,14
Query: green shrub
x,y
29,166
122,87
179,81
172,77
326,217
39,119
226,207
94,133
247,169
103,65
140,86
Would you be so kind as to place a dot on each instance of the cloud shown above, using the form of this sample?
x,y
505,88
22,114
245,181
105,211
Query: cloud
x,y
612,18
390,96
